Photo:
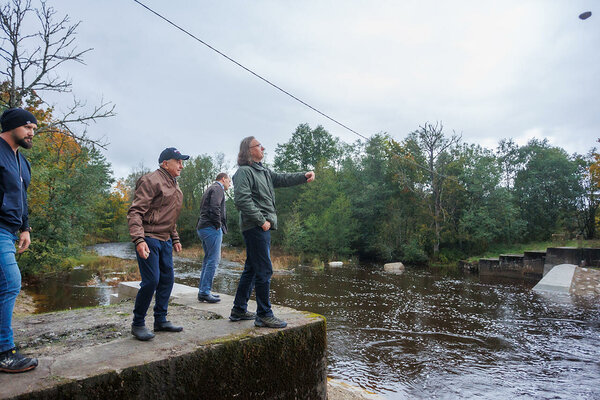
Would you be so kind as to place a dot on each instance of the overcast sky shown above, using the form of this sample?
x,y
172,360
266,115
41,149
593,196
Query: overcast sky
x,y
488,70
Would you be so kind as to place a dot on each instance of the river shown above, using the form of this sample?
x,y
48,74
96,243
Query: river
x,y
421,334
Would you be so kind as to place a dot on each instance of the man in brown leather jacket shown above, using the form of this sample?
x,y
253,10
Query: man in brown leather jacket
x,y
152,220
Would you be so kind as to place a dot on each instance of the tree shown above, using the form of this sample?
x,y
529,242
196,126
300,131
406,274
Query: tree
x,y
131,180
508,159
546,189
29,63
589,202
422,161
111,215
70,182
483,211
322,221
197,175
306,149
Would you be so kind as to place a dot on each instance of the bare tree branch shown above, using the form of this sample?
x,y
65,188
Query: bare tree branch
x,y
30,61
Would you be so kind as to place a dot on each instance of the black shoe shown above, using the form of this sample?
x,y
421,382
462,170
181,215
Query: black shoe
x,y
11,361
209,298
215,295
236,316
269,322
141,333
166,326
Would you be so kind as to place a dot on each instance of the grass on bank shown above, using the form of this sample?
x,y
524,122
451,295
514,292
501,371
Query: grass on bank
x,y
279,259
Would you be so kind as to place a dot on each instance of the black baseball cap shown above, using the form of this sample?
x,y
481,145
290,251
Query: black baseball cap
x,y
171,153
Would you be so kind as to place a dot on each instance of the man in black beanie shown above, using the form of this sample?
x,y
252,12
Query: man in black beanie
x,y
18,129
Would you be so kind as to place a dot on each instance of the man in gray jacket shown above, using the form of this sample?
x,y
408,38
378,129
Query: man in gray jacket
x,y
212,225
152,220
255,199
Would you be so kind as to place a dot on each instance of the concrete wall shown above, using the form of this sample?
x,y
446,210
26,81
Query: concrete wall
x,y
583,257
533,265
288,364
489,266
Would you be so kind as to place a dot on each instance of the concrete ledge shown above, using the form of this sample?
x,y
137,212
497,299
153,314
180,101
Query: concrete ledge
x,y
130,289
90,354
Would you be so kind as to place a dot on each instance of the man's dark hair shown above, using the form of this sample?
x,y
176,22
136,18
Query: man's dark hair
x,y
221,176
244,157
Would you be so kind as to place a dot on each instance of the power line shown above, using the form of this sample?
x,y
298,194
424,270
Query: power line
x,y
249,70
274,85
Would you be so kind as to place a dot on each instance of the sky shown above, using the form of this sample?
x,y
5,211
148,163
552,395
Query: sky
x,y
485,70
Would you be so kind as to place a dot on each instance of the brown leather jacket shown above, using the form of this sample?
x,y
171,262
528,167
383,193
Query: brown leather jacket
x,y
155,208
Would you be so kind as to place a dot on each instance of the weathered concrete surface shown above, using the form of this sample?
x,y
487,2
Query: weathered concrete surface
x,y
489,266
568,278
518,266
510,266
90,354
533,264
557,280
586,282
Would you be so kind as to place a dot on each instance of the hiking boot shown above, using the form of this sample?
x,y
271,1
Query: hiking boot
x,y
269,322
209,298
166,326
237,316
141,333
11,361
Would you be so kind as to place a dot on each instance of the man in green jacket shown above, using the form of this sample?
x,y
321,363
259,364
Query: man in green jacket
x,y
255,199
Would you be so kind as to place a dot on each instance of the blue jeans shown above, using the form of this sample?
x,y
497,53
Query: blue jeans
x,y
157,276
211,243
10,286
258,270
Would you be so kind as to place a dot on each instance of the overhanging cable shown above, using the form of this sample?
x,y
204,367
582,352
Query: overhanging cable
x,y
249,70
274,85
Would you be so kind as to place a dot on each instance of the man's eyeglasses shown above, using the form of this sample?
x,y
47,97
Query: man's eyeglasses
x,y
256,145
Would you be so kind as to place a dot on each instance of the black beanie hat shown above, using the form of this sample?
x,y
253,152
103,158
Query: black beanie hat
x,y
16,117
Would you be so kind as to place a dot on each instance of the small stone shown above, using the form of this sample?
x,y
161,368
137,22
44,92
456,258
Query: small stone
x,y
396,267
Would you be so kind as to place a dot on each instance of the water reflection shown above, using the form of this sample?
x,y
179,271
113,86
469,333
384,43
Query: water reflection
x,y
73,290
423,334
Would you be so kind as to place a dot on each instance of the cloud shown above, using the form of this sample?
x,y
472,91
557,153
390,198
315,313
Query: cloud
x,y
486,70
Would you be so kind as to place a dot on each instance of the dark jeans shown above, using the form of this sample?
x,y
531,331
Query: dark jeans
x,y
157,276
257,270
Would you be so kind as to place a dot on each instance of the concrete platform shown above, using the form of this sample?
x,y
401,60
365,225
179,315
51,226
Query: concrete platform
x,y
559,279
90,354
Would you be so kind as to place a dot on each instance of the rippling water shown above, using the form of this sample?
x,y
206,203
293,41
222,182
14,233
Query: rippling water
x,y
428,335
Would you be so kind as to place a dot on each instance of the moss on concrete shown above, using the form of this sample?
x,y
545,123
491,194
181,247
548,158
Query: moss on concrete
x,y
257,364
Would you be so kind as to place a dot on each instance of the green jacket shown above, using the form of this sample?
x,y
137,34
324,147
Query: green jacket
x,y
254,194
